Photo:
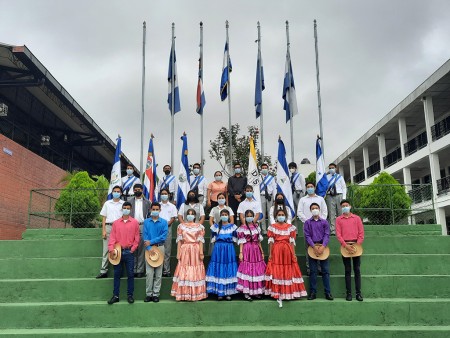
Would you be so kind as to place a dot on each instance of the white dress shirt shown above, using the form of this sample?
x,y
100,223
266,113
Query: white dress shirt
x,y
112,210
249,205
168,210
202,186
299,182
341,187
303,210
271,187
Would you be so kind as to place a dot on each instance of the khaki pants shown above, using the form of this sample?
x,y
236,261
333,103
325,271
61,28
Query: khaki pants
x,y
105,262
265,207
139,257
334,210
153,278
167,250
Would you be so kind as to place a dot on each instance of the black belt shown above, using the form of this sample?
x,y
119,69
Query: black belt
x,y
320,242
158,244
350,240
126,249
108,223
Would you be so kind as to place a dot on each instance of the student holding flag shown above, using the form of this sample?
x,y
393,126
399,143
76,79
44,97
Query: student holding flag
x,y
267,189
168,182
128,182
199,183
336,192
297,182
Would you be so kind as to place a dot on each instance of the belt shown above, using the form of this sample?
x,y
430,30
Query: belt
x,y
320,242
108,223
129,248
350,240
158,244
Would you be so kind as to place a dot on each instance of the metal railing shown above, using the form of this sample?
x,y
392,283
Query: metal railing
x,y
359,177
443,185
416,143
373,169
392,158
440,129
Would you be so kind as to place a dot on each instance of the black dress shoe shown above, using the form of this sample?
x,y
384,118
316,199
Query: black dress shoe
x,y
130,299
328,296
166,274
101,275
135,275
114,299
148,299
155,299
139,275
359,298
312,296
349,297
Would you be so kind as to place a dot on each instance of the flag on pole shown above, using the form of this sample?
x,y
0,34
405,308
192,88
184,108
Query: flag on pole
x,y
283,183
226,69
150,173
116,172
200,93
321,177
289,96
183,176
253,177
259,87
173,83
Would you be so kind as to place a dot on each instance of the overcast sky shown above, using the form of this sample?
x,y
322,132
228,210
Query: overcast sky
x,y
372,55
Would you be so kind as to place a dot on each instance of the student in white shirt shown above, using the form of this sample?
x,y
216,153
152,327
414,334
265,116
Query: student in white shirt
x,y
199,184
128,182
304,211
268,188
192,202
297,183
169,213
280,204
168,182
336,192
249,204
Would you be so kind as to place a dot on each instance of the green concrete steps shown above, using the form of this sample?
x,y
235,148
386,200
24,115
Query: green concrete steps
x,y
85,267
84,289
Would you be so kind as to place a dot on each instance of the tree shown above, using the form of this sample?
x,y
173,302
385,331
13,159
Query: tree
x,y
219,148
311,177
384,201
79,203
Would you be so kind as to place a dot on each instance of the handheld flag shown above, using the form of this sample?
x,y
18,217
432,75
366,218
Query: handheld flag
x,y
172,77
150,173
226,69
116,174
259,86
253,177
289,96
321,177
200,93
183,177
283,183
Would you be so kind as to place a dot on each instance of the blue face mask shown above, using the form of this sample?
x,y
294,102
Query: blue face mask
x,y
116,195
281,219
264,171
224,218
310,191
249,194
249,219
164,197
332,171
221,201
346,210
196,171
190,218
154,213
126,212
237,170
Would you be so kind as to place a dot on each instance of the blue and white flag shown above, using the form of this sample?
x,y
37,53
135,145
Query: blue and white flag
x,y
289,96
226,69
150,174
283,183
321,175
183,176
116,172
173,83
259,86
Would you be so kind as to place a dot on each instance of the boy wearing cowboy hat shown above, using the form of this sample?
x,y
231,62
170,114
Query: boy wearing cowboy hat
x,y
155,233
123,242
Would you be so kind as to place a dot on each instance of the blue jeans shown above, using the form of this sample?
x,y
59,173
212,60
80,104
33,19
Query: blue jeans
x,y
313,275
128,259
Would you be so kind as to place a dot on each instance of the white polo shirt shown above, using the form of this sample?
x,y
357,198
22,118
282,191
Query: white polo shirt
x,y
249,205
303,211
168,210
112,210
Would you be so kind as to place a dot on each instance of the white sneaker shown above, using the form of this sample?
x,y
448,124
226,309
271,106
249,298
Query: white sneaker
x,y
280,303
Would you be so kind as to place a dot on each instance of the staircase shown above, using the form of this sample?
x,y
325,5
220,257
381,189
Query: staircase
x,y
47,288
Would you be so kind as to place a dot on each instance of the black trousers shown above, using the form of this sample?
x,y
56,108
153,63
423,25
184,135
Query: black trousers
x,y
348,273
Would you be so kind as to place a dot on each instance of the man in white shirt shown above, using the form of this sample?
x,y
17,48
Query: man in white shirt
x,y
169,213
268,188
168,182
304,211
199,184
111,211
140,208
128,182
297,183
336,192
249,204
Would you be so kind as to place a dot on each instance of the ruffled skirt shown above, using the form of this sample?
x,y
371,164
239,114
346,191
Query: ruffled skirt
x,y
250,276
222,269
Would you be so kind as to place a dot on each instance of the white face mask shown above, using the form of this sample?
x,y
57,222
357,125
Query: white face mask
x,y
129,172
315,212
292,171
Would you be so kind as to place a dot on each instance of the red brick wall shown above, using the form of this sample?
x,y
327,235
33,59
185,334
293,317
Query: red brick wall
x,y
19,173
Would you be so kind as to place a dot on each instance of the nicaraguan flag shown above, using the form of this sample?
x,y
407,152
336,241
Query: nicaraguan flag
x,y
321,177
173,83
226,69
200,93
259,86
150,173
289,96
183,177
253,177
283,183
116,172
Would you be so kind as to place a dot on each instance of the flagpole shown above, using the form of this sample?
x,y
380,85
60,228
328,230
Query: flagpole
x,y
202,158
261,115
172,94
229,99
319,100
144,28
291,125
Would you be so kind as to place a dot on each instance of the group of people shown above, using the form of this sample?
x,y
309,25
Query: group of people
x,y
235,217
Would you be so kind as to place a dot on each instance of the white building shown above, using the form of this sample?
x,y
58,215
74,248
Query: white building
x,y
412,143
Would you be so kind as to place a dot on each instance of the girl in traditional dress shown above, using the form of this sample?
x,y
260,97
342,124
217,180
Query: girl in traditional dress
x,y
283,276
250,276
189,277
222,269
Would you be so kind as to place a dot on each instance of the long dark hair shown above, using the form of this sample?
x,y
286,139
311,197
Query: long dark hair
x,y
195,195
220,223
250,212
277,206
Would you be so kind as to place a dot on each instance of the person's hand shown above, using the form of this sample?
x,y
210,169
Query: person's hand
x,y
270,257
241,257
350,248
146,243
103,234
316,250
237,197
321,249
262,254
202,256
294,258
178,256
208,204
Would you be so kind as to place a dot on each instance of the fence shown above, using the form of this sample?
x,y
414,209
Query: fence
x,y
393,204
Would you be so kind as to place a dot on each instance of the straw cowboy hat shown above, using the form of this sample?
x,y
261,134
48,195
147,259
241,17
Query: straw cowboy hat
x,y
115,256
322,257
358,250
154,257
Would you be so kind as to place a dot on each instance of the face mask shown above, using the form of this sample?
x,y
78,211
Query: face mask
x,y
138,193
310,191
190,218
332,171
218,178
237,170
315,212
292,170
154,213
281,219
116,195
196,171
224,218
221,201
346,210
126,212
264,171
249,194
167,172
129,172
191,198
249,219
280,200
164,197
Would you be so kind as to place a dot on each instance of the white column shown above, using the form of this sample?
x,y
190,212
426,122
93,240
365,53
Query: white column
x,y
342,172
441,219
351,163
381,149
403,135
407,178
435,172
429,116
365,160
